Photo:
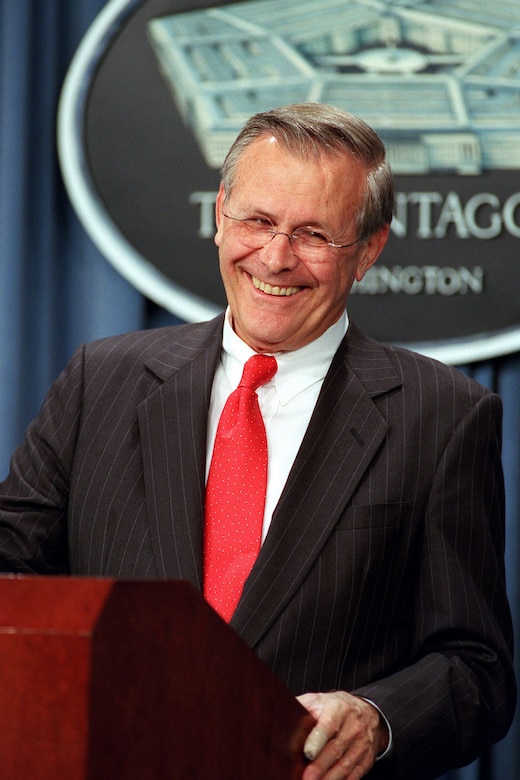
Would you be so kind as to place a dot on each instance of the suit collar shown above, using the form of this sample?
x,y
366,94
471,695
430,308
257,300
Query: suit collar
x,y
345,432
187,344
173,424
369,360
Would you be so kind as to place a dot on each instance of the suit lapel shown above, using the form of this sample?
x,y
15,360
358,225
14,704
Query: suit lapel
x,y
173,423
345,432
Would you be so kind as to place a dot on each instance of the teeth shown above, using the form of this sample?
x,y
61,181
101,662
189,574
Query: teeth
x,y
269,290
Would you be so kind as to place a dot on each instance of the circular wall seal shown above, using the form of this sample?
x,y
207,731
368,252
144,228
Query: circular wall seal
x,y
158,90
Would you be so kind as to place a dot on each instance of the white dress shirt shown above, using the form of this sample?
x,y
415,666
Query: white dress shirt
x,y
286,401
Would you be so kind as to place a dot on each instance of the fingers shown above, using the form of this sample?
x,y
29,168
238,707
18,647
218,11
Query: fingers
x,y
315,743
344,743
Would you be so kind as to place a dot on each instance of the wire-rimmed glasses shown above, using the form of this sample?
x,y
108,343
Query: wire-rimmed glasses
x,y
308,243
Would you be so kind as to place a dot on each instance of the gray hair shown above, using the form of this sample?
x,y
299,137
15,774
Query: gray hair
x,y
311,130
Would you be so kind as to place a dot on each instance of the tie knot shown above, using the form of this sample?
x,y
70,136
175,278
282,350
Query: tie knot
x,y
258,370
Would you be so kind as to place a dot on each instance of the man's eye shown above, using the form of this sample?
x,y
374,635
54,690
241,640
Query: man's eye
x,y
257,223
313,236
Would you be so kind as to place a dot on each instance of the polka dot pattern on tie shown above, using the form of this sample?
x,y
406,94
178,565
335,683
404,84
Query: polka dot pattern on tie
x,y
235,492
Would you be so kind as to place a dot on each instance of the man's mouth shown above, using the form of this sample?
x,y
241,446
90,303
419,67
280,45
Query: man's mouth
x,y
268,289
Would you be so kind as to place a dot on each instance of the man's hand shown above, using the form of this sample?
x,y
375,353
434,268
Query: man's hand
x,y
348,736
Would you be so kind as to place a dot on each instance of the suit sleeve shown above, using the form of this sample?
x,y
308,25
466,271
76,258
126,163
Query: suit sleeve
x,y
458,693
34,496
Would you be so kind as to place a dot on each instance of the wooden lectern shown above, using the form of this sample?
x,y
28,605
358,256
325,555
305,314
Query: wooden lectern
x,y
105,679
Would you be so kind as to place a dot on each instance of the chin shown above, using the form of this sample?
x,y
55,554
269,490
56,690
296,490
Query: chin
x,y
262,334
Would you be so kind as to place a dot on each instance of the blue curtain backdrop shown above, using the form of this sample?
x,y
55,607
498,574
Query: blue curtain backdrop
x,y
56,291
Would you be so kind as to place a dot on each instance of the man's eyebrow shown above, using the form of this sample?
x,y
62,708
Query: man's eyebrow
x,y
252,210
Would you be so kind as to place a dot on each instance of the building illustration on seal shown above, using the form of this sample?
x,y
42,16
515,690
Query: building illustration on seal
x,y
438,79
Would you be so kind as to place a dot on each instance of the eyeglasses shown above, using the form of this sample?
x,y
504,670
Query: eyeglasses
x,y
308,243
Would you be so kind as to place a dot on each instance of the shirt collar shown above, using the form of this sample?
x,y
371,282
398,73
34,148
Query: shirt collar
x,y
297,370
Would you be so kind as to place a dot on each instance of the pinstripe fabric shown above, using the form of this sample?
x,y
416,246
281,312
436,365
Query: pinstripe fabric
x,y
382,571
120,480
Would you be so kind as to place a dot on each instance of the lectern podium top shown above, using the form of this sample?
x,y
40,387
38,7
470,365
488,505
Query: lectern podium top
x,y
137,679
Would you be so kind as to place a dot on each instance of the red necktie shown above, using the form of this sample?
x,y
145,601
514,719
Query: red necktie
x,y
235,492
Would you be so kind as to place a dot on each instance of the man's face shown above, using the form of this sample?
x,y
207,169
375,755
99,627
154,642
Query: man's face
x,y
278,301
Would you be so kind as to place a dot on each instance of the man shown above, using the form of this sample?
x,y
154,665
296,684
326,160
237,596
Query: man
x,y
378,594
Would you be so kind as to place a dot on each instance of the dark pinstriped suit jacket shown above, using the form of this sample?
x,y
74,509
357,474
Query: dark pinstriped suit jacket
x,y
382,572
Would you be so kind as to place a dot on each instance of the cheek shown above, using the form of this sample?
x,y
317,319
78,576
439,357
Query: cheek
x,y
227,259
225,254
337,281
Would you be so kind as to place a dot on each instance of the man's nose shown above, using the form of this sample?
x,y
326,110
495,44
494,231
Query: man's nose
x,y
278,254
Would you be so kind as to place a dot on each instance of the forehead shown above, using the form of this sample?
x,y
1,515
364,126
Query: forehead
x,y
327,186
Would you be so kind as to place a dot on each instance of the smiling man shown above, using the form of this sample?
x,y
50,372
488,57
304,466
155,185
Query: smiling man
x,y
282,293
342,508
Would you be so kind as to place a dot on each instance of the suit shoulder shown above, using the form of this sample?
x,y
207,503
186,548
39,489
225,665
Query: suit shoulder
x,y
416,372
434,375
143,345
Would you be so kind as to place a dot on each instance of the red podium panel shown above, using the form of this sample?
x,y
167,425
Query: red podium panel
x,y
141,680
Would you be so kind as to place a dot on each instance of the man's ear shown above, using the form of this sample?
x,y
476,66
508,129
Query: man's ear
x,y
219,203
372,250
